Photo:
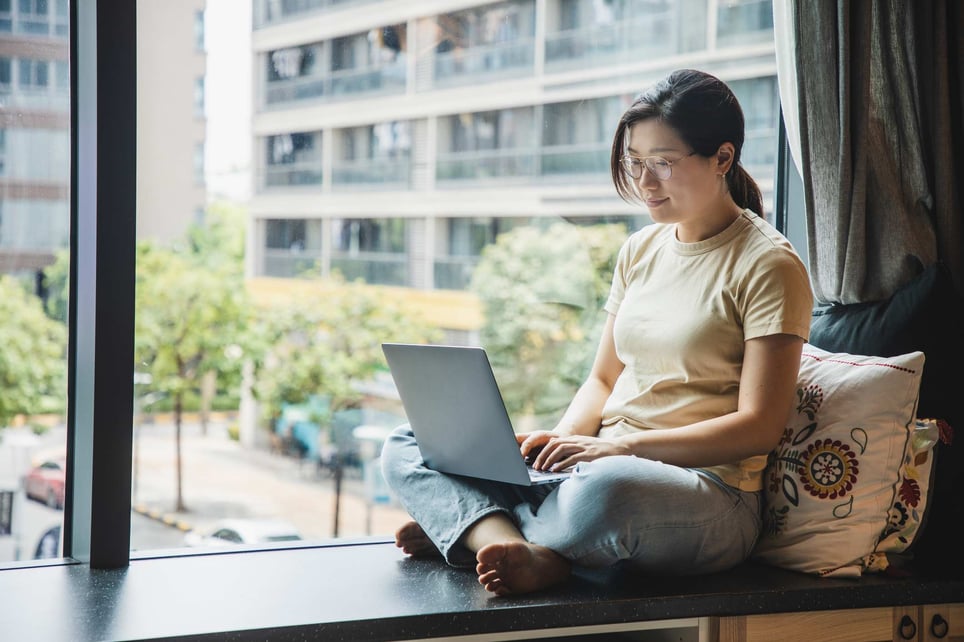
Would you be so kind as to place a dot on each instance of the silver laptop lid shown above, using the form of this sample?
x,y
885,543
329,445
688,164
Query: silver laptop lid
x,y
456,411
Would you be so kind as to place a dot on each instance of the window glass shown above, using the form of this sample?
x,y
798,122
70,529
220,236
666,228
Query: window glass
x,y
34,220
365,181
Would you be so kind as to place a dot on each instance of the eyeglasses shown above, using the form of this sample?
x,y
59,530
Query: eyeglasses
x,y
658,166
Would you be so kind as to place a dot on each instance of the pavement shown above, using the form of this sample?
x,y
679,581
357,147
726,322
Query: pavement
x,y
221,479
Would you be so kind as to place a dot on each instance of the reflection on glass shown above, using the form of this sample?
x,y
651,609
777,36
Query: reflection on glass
x,y
34,220
438,178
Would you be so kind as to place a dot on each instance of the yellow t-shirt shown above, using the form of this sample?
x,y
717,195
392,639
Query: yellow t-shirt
x,y
683,312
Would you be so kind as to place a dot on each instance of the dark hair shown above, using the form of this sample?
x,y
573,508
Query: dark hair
x,y
703,111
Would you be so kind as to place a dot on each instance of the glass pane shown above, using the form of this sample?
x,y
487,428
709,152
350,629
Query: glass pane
x,y
34,221
436,178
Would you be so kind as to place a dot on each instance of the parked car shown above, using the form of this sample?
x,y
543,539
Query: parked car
x,y
45,482
228,532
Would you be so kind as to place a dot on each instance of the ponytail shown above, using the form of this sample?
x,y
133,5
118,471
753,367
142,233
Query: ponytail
x,y
744,190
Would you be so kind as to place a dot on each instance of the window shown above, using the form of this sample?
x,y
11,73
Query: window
x,y
462,197
199,30
34,248
199,96
33,74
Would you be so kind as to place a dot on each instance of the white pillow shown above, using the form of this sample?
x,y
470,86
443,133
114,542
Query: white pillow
x,y
832,480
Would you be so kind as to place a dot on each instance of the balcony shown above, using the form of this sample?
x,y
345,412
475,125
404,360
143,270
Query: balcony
x,y
269,12
572,160
382,79
454,272
518,163
485,62
385,173
288,263
654,36
375,268
525,165
306,173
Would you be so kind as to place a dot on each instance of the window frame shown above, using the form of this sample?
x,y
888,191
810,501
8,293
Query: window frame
x,y
100,355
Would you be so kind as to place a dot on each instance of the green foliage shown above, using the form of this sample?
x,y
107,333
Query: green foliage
x,y
33,362
191,317
542,291
55,280
325,347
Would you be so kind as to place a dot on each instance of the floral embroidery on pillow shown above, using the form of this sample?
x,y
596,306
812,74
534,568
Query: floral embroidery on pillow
x,y
824,468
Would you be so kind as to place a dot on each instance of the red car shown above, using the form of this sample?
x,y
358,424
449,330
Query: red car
x,y
46,482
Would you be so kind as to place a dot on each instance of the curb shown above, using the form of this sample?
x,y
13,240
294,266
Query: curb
x,y
164,518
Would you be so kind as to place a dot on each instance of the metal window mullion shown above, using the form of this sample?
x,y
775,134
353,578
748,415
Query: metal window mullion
x,y
101,295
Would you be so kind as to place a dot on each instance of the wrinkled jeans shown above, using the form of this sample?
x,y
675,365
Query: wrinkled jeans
x,y
629,511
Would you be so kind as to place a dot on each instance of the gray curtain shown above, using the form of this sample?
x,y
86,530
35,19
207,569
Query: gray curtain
x,y
873,91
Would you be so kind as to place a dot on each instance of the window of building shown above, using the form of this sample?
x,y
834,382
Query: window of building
x,y
5,75
33,73
34,16
199,30
6,17
199,96
199,163
293,159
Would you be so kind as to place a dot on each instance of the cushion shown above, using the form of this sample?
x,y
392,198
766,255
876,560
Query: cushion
x,y
832,480
925,315
906,515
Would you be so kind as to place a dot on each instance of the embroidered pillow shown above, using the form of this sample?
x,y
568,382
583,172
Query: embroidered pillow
x,y
831,482
906,515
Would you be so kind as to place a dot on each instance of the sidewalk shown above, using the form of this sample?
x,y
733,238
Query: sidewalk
x,y
221,479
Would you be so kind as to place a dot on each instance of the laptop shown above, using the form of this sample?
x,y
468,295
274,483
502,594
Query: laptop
x,y
457,413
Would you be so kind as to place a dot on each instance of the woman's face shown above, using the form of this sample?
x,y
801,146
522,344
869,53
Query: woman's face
x,y
695,193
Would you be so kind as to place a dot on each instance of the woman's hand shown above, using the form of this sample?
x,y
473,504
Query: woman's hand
x,y
553,451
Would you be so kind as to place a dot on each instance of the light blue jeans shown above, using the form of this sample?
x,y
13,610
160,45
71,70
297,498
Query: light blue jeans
x,y
627,511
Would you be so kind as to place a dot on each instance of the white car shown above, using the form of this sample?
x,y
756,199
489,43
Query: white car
x,y
228,532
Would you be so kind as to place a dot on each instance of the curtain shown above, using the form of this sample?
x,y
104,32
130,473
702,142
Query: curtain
x,y
872,94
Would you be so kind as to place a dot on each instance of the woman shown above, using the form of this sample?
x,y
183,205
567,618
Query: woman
x,y
692,383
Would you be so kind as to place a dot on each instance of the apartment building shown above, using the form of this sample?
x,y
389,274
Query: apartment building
x,y
34,134
35,126
394,140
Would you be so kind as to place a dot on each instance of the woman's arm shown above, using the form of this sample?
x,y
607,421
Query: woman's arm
x,y
767,385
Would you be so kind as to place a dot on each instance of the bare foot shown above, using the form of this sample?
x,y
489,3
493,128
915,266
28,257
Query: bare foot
x,y
519,567
413,541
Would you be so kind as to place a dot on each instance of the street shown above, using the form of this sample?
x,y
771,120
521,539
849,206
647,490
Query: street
x,y
220,479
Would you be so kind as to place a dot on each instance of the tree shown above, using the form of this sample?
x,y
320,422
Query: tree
x,y
33,363
325,347
542,291
192,315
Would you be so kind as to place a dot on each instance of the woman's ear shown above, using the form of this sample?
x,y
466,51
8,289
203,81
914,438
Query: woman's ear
x,y
724,158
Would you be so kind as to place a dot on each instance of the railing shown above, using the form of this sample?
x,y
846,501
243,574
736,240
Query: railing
x,y
346,82
588,158
376,268
387,172
469,63
454,272
287,264
293,174
275,11
45,99
654,36
35,25
555,160
490,163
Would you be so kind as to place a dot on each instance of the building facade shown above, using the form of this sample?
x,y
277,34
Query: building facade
x,y
171,122
34,134
394,140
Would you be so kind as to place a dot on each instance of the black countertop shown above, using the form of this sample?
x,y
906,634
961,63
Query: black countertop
x,y
369,591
